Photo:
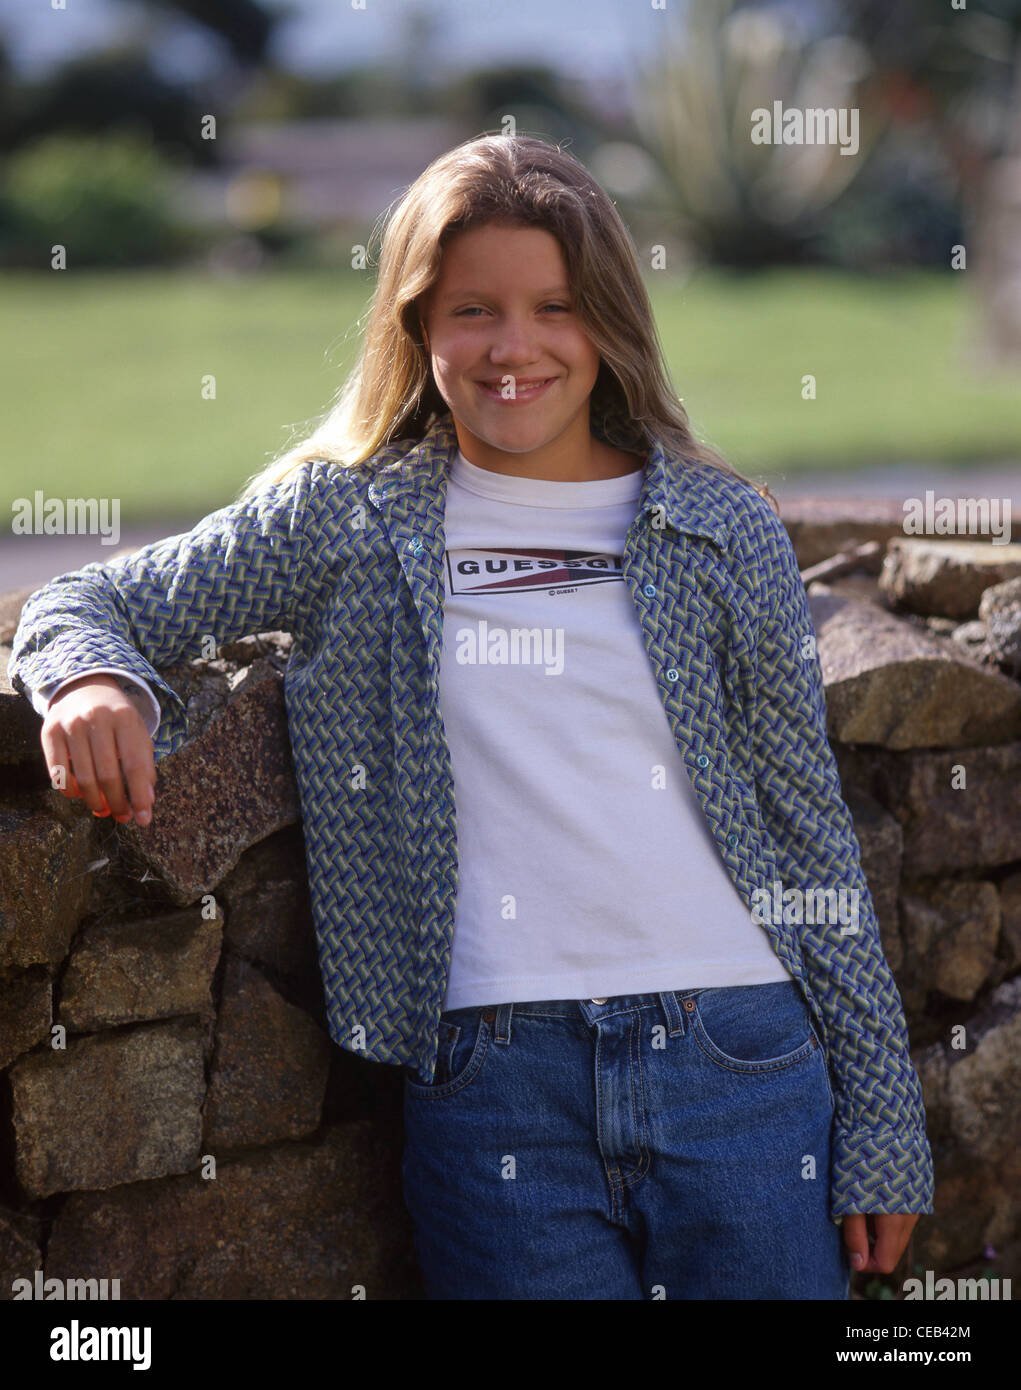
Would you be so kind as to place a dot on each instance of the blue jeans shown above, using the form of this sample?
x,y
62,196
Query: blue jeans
x,y
671,1145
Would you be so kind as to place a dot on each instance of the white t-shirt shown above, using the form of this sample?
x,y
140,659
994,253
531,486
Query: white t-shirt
x,y
586,867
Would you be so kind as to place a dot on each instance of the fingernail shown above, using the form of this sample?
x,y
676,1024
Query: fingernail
x,y
100,813
857,1260
144,817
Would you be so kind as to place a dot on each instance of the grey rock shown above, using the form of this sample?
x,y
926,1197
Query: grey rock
x,y
220,793
26,1012
891,683
309,1221
20,1248
950,930
942,576
110,1108
46,848
956,807
270,1066
984,1085
126,972
1000,611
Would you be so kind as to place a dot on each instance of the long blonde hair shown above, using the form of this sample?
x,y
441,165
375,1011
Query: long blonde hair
x,y
514,180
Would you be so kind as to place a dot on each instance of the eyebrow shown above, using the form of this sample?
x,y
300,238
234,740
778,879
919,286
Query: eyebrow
x,y
479,294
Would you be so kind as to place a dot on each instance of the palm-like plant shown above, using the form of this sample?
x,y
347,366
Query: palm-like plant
x,y
744,203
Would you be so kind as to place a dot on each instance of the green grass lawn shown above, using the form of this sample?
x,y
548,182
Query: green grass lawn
x,y
103,375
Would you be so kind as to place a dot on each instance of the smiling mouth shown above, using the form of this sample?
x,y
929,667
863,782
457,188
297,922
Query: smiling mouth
x,y
523,390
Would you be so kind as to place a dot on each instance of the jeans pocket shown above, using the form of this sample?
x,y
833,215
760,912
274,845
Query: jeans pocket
x,y
753,1028
463,1042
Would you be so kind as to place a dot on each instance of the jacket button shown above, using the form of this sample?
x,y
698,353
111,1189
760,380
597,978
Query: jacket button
x,y
732,839
702,760
673,674
689,1006
649,590
415,545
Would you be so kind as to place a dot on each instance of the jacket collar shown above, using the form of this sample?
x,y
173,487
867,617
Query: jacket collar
x,y
412,481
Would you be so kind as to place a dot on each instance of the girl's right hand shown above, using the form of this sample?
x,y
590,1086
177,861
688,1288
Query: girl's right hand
x,y
93,730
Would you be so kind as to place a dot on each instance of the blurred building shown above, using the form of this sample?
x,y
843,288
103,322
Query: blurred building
x,y
316,173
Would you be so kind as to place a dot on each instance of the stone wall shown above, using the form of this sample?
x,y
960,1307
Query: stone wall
x,y
177,965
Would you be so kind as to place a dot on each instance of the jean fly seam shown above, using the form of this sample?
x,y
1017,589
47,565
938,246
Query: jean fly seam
x,y
629,1179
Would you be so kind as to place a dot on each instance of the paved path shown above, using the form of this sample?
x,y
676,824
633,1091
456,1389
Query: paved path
x,y
908,480
29,561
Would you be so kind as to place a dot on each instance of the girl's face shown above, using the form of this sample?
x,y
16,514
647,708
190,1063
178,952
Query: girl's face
x,y
508,354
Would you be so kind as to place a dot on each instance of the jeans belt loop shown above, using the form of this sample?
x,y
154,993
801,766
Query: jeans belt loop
x,y
502,1023
673,1013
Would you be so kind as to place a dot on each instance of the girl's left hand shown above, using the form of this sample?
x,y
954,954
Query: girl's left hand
x,y
891,1232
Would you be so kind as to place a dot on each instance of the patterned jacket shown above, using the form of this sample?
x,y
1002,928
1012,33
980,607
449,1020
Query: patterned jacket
x,y
350,561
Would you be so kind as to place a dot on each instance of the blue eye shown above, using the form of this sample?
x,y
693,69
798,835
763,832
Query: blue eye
x,y
475,309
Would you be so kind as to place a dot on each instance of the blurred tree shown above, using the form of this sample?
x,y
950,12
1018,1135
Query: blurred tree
x,y
534,94
420,28
106,91
744,204
109,200
956,74
937,91
953,71
244,26
122,86
371,90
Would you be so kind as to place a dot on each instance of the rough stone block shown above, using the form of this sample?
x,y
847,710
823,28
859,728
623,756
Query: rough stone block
x,y
270,1065
46,849
298,1221
126,972
110,1108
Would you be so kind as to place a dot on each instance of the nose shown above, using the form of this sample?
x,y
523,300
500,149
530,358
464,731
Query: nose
x,y
513,344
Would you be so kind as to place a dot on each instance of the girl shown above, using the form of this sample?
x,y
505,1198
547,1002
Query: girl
x,y
577,849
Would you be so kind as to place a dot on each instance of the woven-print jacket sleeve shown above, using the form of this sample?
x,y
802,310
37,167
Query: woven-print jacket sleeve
x,y
881,1160
235,573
